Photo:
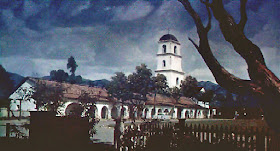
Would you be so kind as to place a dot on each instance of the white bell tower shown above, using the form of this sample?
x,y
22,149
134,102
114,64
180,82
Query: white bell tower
x,y
169,60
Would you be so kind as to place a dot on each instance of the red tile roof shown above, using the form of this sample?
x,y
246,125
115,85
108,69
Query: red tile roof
x,y
73,91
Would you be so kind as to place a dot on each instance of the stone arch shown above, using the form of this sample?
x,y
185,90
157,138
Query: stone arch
x,y
146,110
191,114
104,112
123,112
114,112
175,49
93,111
166,112
153,112
179,113
74,109
159,111
187,114
172,112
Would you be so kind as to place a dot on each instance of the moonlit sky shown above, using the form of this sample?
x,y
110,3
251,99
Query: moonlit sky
x,y
108,36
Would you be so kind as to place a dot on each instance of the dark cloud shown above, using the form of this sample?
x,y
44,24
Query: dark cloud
x,y
109,36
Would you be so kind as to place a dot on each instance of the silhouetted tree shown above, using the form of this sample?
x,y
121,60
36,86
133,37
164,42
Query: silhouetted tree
x,y
6,87
159,84
72,65
118,87
59,75
189,86
48,96
264,85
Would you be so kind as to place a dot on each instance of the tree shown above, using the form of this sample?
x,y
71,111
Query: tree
x,y
207,96
263,83
159,84
6,87
72,65
118,87
175,93
24,94
140,84
59,75
189,86
48,96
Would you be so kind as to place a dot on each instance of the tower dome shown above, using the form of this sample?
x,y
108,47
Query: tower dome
x,y
168,37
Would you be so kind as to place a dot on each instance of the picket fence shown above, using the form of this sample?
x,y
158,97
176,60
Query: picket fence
x,y
181,136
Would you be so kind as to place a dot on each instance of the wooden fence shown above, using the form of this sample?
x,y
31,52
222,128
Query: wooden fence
x,y
180,136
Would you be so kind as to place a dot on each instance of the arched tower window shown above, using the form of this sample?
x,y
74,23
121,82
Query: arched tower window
x,y
175,49
163,63
164,48
177,81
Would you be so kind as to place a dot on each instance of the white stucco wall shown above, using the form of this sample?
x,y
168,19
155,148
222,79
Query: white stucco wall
x,y
173,63
29,105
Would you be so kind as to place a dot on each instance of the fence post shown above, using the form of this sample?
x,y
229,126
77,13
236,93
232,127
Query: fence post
x,y
118,130
182,124
260,140
8,129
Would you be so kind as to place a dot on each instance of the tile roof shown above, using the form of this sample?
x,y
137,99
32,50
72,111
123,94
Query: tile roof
x,y
73,91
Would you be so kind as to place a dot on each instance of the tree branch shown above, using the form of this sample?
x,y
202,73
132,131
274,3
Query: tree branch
x,y
195,45
222,76
208,27
243,15
257,69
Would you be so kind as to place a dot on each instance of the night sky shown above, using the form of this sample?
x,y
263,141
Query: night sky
x,y
108,36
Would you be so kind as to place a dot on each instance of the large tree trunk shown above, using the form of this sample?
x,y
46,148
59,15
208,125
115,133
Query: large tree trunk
x,y
264,85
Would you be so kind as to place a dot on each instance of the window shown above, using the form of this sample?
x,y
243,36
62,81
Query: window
x,y
175,49
163,63
164,48
177,81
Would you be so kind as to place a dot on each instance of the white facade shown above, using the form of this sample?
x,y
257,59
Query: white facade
x,y
169,61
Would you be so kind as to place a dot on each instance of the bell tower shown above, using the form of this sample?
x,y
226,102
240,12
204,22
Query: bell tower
x,y
169,60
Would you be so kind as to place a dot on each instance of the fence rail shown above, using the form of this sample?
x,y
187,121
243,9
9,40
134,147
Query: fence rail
x,y
14,130
190,136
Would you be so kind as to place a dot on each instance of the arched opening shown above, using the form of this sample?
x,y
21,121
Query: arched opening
x,y
159,111
172,112
164,48
177,81
139,112
132,112
114,113
166,111
123,112
145,113
179,113
74,109
153,112
187,115
191,113
175,49
163,63
93,112
104,112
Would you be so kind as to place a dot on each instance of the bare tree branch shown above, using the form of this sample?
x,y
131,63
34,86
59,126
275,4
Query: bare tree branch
x,y
243,14
222,76
196,46
208,27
